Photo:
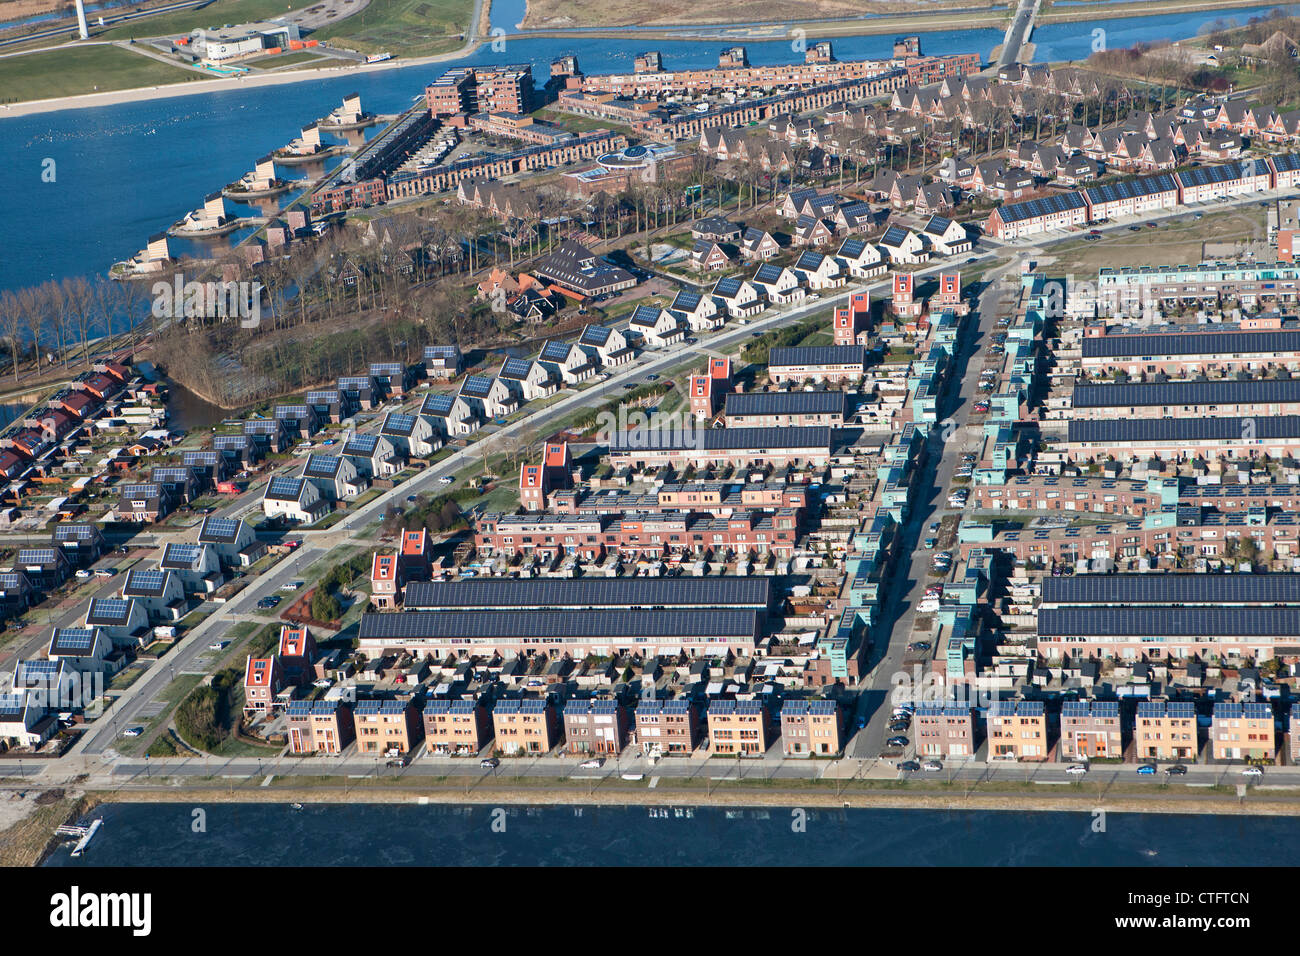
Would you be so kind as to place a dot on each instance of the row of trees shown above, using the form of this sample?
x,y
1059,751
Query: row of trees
x,y
55,323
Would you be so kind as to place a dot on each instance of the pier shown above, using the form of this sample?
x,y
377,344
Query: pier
x,y
82,834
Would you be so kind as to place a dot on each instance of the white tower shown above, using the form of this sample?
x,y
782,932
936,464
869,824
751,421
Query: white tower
x,y
81,20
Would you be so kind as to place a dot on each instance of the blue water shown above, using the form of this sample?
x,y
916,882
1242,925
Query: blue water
x,y
61,15
407,835
125,172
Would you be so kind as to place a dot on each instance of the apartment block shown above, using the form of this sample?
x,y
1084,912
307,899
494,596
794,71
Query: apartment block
x,y
1017,730
387,726
460,728
666,727
525,727
1090,729
738,728
595,726
811,728
1165,731
319,726
1242,731
943,730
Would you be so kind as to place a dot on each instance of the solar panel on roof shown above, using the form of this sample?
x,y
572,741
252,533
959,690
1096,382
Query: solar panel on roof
x,y
72,640
590,592
516,368
437,405
140,491
230,441
1120,589
284,487
768,273
554,352
108,608
726,439
727,288
1190,622
572,624
366,444
399,424
1178,430
1228,392
739,404
149,581
321,466
223,528
687,301
37,556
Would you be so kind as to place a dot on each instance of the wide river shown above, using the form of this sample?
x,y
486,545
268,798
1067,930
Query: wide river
x,y
233,834
124,172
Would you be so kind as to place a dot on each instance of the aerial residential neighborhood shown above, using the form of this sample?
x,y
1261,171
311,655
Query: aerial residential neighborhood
x,y
655,416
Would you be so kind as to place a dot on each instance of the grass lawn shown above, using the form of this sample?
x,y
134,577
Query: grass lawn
x,y
212,15
410,27
68,72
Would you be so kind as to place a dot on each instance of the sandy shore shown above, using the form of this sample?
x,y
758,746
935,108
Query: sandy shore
x,y
1257,804
90,100
829,28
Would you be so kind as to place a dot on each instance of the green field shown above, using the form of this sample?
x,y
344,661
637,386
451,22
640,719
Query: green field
x,y
87,69
213,15
406,27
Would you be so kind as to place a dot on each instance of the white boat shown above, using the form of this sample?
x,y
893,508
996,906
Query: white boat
x,y
295,806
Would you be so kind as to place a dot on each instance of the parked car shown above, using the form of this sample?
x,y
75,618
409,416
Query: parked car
x,y
1077,769
446,480
105,572
489,763
909,766
595,763
930,543
932,765
1177,770
218,645
133,732
323,682
919,646
1251,772
897,741
1146,769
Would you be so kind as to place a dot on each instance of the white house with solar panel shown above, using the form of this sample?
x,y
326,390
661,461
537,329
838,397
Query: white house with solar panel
x,y
862,259
160,592
489,397
24,721
779,284
123,621
656,327
608,344
818,272
294,499
335,477
946,236
197,566
373,455
450,415
234,541
410,435
903,246
52,684
526,380
739,297
567,363
700,312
